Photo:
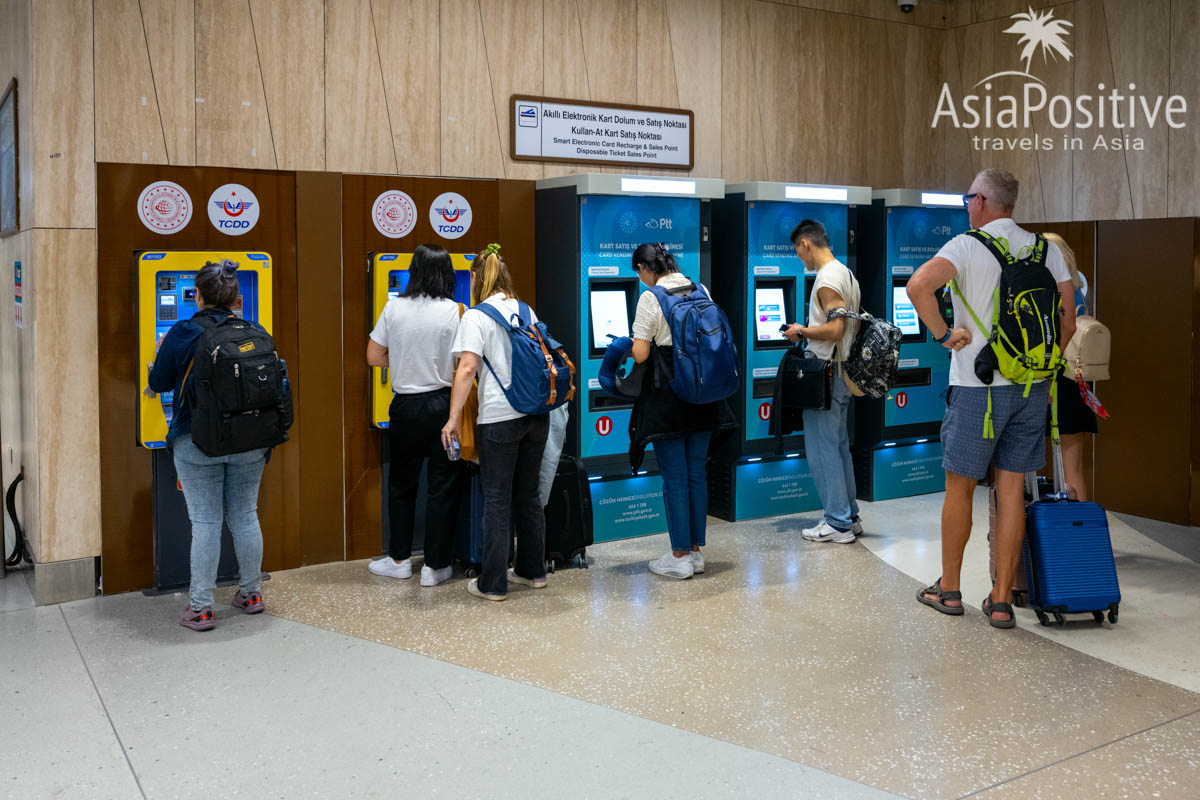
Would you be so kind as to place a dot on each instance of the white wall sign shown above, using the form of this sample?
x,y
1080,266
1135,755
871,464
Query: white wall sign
x,y
550,129
164,207
233,209
394,214
450,215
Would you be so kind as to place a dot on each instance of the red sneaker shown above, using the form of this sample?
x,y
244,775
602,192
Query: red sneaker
x,y
249,603
201,620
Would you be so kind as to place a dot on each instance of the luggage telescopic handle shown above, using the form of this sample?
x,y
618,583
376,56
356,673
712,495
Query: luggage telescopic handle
x,y
1060,481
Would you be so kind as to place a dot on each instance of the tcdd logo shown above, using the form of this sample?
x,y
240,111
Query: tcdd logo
x,y
764,412
450,215
233,209
604,426
901,399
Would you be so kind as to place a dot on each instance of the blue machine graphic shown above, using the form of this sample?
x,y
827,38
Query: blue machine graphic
x,y
897,437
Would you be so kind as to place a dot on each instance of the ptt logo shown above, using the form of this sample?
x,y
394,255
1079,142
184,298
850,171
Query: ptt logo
x,y
660,224
233,209
450,215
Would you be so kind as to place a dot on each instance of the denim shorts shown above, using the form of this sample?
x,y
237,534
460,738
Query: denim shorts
x,y
1020,430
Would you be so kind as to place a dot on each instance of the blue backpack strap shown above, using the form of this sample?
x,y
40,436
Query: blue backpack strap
x,y
524,314
493,312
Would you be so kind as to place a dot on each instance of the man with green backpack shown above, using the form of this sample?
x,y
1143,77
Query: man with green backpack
x,y
1013,313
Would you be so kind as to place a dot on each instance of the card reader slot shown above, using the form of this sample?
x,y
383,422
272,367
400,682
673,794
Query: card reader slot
x,y
599,401
763,388
912,377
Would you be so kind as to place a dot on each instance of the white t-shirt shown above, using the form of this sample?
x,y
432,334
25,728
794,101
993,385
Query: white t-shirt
x,y
836,276
978,276
418,333
649,324
480,334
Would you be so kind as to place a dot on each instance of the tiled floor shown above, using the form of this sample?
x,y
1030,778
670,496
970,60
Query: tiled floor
x,y
789,669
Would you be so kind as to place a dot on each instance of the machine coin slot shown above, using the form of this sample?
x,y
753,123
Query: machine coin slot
x,y
904,314
764,388
774,305
611,306
912,377
600,401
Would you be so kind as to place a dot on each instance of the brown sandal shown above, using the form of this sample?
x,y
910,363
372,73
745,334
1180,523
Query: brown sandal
x,y
942,597
990,608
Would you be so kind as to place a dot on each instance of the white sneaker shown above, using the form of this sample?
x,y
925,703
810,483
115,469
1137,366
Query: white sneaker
x,y
697,562
857,530
671,567
388,568
827,533
473,588
432,577
536,583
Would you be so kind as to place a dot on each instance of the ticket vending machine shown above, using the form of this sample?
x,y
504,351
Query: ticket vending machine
x,y
388,276
761,284
166,294
587,229
898,452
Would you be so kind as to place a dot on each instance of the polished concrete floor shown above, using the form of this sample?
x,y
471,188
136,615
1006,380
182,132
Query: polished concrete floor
x,y
789,669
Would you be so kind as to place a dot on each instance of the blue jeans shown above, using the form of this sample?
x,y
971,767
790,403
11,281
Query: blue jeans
x,y
827,446
216,488
685,487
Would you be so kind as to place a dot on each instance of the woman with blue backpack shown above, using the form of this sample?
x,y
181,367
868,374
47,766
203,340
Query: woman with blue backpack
x,y
501,341
681,431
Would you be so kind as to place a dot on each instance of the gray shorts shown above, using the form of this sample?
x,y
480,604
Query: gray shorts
x,y
1020,427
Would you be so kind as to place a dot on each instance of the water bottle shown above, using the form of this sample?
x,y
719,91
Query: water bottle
x,y
453,452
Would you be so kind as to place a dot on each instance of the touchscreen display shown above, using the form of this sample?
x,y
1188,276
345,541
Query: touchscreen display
x,y
610,314
769,313
904,316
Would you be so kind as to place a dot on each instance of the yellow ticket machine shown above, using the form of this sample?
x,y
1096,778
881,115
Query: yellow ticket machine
x,y
389,278
167,294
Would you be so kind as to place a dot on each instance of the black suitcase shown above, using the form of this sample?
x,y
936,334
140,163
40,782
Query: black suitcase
x,y
569,514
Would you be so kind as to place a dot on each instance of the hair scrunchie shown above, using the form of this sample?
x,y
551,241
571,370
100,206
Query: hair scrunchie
x,y
492,249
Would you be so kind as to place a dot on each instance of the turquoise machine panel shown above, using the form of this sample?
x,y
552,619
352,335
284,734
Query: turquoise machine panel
x,y
778,277
611,227
907,470
915,235
626,507
773,487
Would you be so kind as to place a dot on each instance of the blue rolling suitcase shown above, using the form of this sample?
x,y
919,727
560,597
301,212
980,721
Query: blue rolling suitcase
x,y
468,533
1069,557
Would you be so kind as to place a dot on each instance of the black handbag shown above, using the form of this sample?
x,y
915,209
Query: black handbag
x,y
805,381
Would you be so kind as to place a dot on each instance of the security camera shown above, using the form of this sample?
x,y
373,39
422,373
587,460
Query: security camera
x,y
907,6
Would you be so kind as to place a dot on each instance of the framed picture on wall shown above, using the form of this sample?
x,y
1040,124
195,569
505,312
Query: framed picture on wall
x,y
9,216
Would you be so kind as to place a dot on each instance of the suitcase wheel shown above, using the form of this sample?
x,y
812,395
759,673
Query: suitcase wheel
x,y
471,572
550,565
1098,616
1019,598
1059,619
1042,618
1112,615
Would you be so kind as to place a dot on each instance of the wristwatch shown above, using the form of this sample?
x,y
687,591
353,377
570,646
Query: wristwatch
x,y
945,336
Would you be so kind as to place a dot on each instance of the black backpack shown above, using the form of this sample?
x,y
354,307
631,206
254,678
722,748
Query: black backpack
x,y
243,399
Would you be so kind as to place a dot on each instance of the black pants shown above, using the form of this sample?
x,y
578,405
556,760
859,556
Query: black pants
x,y
415,431
510,460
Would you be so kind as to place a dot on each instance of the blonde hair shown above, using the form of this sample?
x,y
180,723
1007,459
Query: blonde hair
x,y
489,274
1068,256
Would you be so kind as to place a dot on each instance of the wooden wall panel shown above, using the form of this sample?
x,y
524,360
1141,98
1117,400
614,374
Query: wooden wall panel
x,y
958,169
1143,452
967,12
844,153
773,41
319,380
470,130
610,28
656,82
1101,176
513,38
1053,166
69,459
409,52
1131,29
357,128
128,125
1183,171
290,35
564,64
233,127
62,102
743,156
170,27
696,45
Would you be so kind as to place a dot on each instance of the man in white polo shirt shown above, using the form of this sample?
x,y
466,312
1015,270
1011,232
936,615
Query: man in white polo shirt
x,y
1018,417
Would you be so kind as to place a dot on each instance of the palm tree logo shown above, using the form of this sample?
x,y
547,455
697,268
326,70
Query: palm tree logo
x,y
1038,30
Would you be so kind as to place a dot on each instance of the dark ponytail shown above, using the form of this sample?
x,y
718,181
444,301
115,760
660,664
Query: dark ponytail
x,y
655,258
218,283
